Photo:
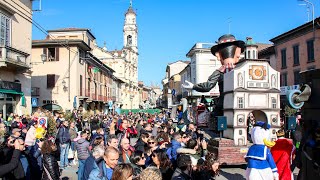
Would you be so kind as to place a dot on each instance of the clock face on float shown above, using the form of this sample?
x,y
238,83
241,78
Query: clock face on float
x,y
257,72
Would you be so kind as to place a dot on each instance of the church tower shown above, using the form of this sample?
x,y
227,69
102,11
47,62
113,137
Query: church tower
x,y
130,44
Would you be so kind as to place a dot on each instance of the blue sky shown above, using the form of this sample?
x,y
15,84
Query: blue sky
x,y
169,28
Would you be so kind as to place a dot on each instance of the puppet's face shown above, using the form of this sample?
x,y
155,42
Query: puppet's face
x,y
229,59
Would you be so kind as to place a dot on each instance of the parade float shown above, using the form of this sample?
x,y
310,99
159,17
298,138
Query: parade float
x,y
251,92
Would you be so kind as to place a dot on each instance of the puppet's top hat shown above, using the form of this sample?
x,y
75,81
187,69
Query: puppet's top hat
x,y
226,40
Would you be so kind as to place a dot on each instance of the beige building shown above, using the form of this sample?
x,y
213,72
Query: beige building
x,y
15,55
125,62
66,75
172,83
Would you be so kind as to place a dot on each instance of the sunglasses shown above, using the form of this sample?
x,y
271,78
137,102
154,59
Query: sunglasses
x,y
153,155
151,142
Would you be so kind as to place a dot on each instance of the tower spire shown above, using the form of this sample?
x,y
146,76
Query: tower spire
x,y
130,3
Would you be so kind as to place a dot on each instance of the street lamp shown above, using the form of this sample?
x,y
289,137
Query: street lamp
x,y
310,3
43,57
64,85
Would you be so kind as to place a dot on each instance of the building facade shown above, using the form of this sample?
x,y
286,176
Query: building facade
x,y
15,56
66,75
172,82
125,62
296,51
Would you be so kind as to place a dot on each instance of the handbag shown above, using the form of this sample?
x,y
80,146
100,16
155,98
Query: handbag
x,y
70,154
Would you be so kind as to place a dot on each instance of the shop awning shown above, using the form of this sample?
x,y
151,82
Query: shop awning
x,y
52,107
10,91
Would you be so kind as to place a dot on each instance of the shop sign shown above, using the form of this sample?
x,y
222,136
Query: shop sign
x,y
10,85
284,89
50,102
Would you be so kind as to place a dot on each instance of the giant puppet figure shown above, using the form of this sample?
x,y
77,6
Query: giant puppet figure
x,y
227,51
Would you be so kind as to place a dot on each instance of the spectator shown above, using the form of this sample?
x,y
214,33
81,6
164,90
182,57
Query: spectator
x,y
151,173
142,142
138,162
161,161
176,144
113,141
125,151
50,164
122,172
94,160
210,168
16,132
13,164
64,140
139,127
111,157
82,146
31,135
184,169
125,131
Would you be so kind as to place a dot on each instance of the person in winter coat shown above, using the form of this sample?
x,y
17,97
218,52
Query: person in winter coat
x,y
94,160
138,162
82,146
176,144
64,140
31,135
50,163
183,170
7,168
142,142
161,161
210,169
6,153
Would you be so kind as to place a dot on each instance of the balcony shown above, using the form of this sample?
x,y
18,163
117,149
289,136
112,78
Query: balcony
x,y
13,58
35,91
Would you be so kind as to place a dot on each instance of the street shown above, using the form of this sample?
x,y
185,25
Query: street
x,y
227,173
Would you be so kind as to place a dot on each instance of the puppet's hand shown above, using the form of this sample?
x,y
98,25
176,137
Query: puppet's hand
x,y
187,85
275,176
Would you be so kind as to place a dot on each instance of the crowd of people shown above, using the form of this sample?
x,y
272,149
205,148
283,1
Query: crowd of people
x,y
106,146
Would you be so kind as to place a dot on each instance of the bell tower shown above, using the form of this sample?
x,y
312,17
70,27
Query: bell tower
x,y
130,30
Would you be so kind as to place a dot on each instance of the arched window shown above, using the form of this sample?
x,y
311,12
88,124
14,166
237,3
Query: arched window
x,y
254,54
129,40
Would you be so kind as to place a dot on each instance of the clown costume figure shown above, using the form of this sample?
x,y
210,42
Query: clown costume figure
x,y
261,165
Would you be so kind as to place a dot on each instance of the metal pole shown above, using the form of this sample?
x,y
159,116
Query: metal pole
x,y
69,74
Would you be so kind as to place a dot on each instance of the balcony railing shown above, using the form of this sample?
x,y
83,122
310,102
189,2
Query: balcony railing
x,y
35,91
14,56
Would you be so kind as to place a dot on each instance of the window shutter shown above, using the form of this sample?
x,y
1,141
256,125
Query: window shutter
x,y
57,54
50,80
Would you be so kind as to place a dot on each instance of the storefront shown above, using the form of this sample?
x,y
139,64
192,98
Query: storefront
x,y
10,96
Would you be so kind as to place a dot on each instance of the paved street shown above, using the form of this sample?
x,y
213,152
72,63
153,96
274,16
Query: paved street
x,y
227,173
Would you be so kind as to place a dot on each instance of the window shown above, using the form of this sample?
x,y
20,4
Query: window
x,y
283,58
249,54
80,85
5,36
283,78
254,54
240,102
296,76
310,49
296,55
51,53
51,80
274,103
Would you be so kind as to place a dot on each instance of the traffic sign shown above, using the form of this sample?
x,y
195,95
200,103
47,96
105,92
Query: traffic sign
x,y
34,102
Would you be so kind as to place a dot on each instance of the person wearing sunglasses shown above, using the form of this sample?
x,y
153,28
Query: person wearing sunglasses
x,y
138,161
161,160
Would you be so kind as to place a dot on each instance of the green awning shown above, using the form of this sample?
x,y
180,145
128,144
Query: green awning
x,y
10,91
52,107
209,100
